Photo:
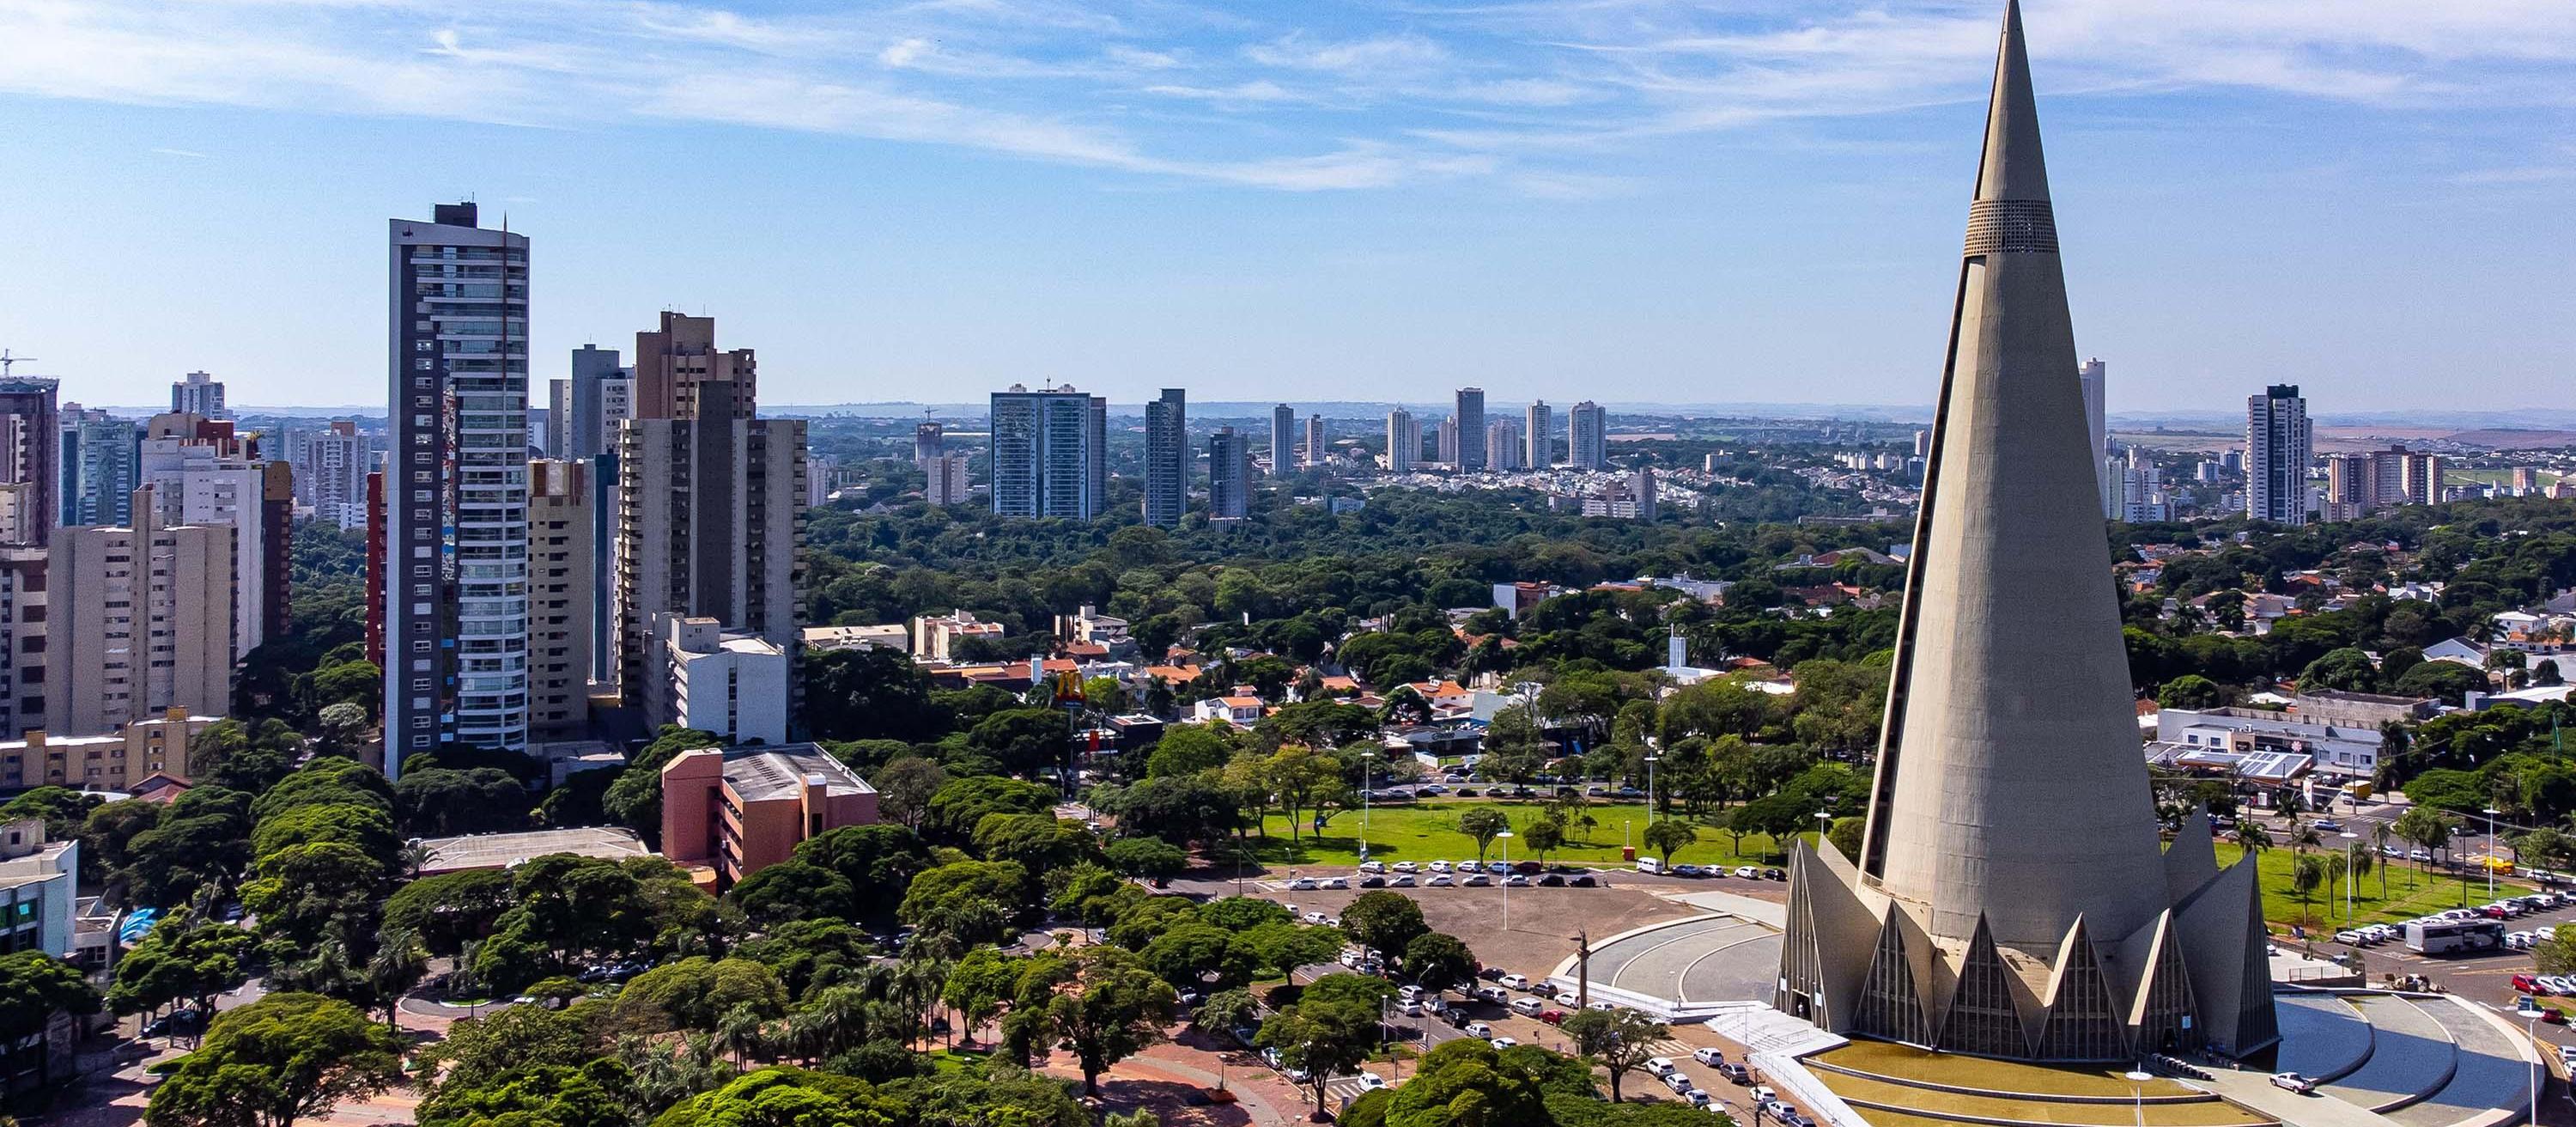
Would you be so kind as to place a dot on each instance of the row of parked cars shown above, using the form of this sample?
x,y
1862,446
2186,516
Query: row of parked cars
x,y
1741,872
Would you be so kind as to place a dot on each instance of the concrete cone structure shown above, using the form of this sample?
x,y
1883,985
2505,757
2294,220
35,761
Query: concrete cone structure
x,y
2010,899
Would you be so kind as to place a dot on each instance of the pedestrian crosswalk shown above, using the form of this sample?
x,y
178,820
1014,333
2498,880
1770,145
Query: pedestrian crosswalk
x,y
1342,1089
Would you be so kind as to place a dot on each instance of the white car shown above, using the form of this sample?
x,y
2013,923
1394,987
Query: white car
x,y
1696,1098
1442,880
1677,1082
1515,981
1709,1057
1599,1004
1479,1029
1303,884
1400,880
1661,1066
1372,866
2546,931
1370,1081
1504,1042
1748,872
1407,867
1409,992
1410,1009
1568,998
1315,917
2293,1082
1440,866
1493,994
1337,882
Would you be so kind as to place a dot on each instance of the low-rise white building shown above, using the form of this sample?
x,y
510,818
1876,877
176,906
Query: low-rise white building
x,y
935,636
2347,749
38,890
824,639
1240,707
731,683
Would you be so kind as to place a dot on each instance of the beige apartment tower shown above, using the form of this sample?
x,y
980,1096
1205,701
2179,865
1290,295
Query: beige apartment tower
x,y
141,622
710,523
562,580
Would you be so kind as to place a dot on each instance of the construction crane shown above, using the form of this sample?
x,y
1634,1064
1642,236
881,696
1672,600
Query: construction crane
x,y
6,359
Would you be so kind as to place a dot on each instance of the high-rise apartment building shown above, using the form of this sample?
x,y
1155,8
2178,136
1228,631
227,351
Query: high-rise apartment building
x,y
1316,452
1403,441
2358,485
928,441
1444,444
1503,448
1167,458
23,624
603,392
1641,487
31,452
1587,437
2279,443
331,468
562,589
199,473
99,455
140,621
1229,475
455,568
2092,378
1283,440
673,361
1539,432
1050,453
199,394
558,437
711,523
1470,417
949,481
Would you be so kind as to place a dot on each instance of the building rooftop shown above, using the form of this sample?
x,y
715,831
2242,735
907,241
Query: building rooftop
x,y
501,851
780,772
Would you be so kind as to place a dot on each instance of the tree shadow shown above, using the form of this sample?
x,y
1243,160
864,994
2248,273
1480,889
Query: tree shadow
x,y
1173,1102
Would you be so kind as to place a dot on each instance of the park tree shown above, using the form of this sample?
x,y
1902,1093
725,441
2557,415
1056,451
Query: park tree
x,y
782,1096
1149,857
450,910
1325,1033
282,1058
904,787
2194,692
182,959
1201,957
2346,670
1383,921
1484,824
697,992
1438,961
1667,836
1105,1009
1180,808
1039,843
202,841
962,804
445,803
1024,741
1619,1041
1543,835
479,1051
1188,749
869,694
1302,779
1845,834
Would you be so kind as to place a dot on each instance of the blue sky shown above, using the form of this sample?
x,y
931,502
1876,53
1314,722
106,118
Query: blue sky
x,y
1649,200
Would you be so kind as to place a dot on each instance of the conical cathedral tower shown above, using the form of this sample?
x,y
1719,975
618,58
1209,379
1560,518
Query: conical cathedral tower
x,y
2011,899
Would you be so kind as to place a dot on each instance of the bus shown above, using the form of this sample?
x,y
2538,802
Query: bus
x,y
2455,937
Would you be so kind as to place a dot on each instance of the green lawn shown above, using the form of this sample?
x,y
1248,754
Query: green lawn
x,y
2410,893
1429,832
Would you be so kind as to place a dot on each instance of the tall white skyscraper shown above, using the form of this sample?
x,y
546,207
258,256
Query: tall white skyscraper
x,y
1587,437
1539,435
456,486
1315,440
1403,441
2279,443
1503,448
2091,377
199,394
1229,475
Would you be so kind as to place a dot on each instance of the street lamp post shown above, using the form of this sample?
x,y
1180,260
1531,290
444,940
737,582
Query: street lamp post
x,y
1366,779
1651,760
2351,843
2491,851
1506,838
1824,827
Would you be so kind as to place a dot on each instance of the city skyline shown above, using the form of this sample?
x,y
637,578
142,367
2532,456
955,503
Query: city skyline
x,y
1332,201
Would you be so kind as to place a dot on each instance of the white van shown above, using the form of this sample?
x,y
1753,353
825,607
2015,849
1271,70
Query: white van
x,y
1527,1007
1649,865
1515,981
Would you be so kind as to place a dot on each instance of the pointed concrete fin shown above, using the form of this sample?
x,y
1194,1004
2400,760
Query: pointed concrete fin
x,y
2161,998
2083,1018
2192,860
1828,946
2013,168
1986,1016
1893,1002
2223,942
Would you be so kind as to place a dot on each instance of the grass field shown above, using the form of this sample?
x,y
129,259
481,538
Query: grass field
x,y
2410,893
1429,832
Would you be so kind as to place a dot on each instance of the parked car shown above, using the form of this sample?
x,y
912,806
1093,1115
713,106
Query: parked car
x,y
1372,882
1552,1017
1400,880
1493,994
2528,984
1479,880
1678,1083
1516,880
1551,880
1315,917
1440,866
1696,1098
1660,1066
1515,981
1498,868
1303,884
1405,867
1528,868
1587,880
1569,998
1686,871
1372,866
1748,872
1709,1057
1336,882
1441,880
1735,1072
1478,1029
1501,1043
1775,874
1490,974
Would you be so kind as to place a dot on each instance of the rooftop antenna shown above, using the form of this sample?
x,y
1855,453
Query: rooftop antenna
x,y
6,360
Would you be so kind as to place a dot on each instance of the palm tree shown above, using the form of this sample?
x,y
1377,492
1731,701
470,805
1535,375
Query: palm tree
x,y
411,858
2379,835
836,1019
2304,836
739,1034
398,966
2251,836
2305,875
917,982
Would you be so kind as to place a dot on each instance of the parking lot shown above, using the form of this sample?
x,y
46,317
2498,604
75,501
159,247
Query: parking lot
x,y
2485,975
